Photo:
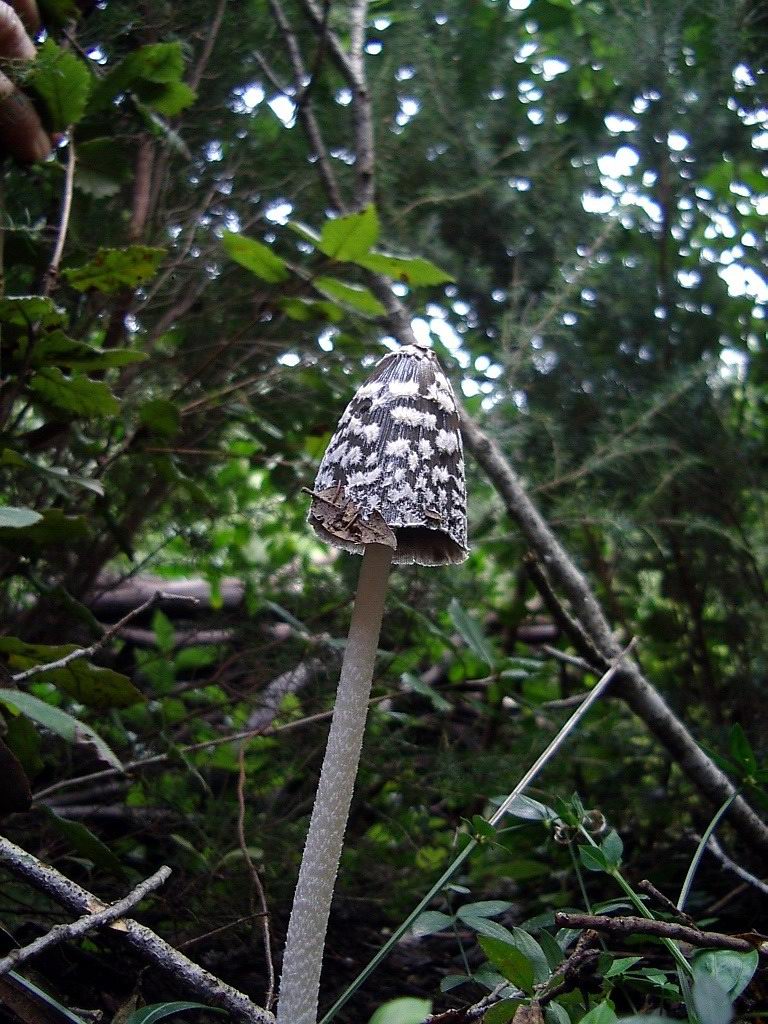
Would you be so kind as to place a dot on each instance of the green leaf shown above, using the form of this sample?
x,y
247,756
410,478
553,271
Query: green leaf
x,y
353,295
26,310
592,859
405,1010
65,725
621,966
712,1003
58,349
16,518
554,1013
490,929
84,842
312,309
110,270
63,82
431,922
76,395
256,257
92,685
157,1011
346,238
731,970
170,99
501,1012
531,810
534,953
508,959
612,848
741,750
153,73
472,633
416,684
165,634
413,271
160,416
483,908
59,1012
551,950
62,480
102,167
603,1013
54,528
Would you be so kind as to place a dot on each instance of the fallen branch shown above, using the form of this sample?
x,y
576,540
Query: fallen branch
x,y
183,971
64,932
88,652
632,686
623,926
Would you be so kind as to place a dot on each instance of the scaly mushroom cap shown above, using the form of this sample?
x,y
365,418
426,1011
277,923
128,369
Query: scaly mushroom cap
x,y
393,472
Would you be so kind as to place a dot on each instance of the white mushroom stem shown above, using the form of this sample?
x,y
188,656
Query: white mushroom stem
x,y
302,960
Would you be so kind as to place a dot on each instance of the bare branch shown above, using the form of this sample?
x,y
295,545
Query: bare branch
x,y
622,926
304,108
65,932
52,272
315,15
716,849
211,35
142,940
647,887
362,113
259,908
88,652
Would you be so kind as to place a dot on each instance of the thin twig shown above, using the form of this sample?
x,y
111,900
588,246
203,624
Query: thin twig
x,y
263,910
211,36
317,63
716,849
629,925
467,1014
64,932
569,659
191,748
315,16
88,652
304,110
650,889
52,273
141,939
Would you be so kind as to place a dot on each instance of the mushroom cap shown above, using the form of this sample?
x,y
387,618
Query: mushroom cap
x,y
393,472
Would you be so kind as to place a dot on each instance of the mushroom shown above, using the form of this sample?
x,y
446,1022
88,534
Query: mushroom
x,y
391,488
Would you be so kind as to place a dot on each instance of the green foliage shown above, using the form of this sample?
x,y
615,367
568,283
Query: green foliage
x,y
113,269
256,257
63,82
405,1010
153,73
57,721
158,1011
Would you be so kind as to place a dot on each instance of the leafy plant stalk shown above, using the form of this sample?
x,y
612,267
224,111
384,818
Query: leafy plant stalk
x,y
640,906
543,759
